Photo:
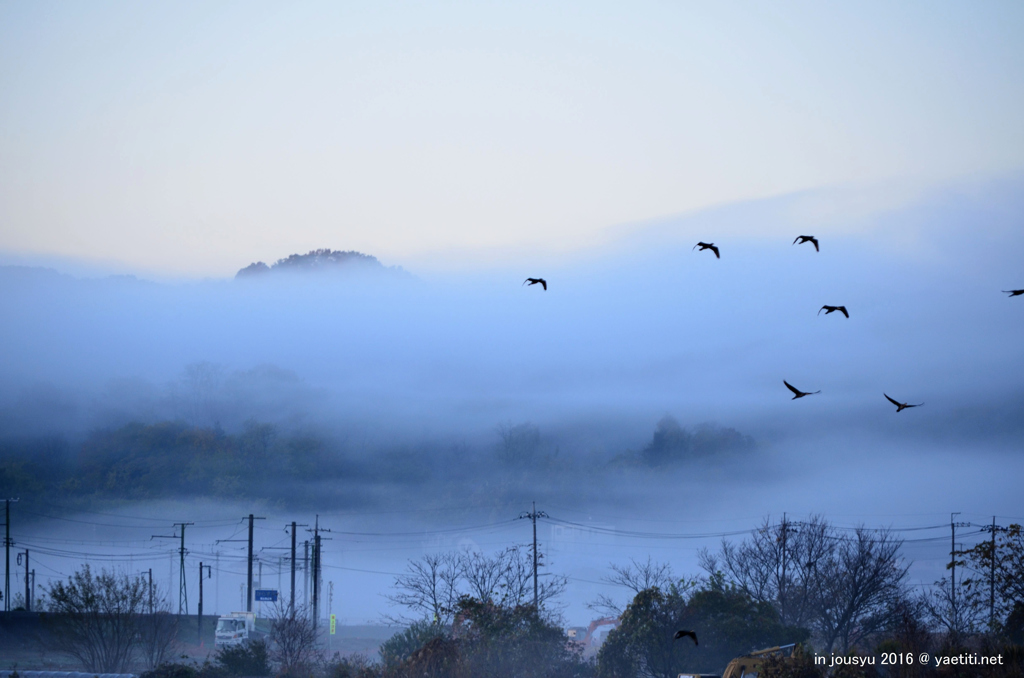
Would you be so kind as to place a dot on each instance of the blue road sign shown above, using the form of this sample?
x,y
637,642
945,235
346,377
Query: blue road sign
x,y
266,595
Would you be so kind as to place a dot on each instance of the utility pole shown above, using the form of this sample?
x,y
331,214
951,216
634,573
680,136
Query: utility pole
x,y
248,594
33,589
316,579
248,584
316,569
784,537
7,548
248,588
305,574
952,556
782,583
151,590
291,606
533,515
992,570
209,574
28,602
182,586
317,539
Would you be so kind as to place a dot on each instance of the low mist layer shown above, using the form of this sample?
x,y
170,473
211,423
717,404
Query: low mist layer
x,y
645,384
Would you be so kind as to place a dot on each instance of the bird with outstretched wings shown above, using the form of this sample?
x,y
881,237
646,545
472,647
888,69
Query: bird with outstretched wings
x,y
829,309
683,633
534,281
797,392
708,246
1014,293
801,239
900,406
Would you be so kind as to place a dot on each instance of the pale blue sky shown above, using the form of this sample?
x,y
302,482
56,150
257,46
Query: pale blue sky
x,y
194,138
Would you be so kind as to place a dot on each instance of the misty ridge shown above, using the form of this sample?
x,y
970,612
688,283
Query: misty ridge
x,y
644,362
321,262
172,460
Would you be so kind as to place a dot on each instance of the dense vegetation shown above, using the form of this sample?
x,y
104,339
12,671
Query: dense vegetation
x,y
322,260
855,603
172,459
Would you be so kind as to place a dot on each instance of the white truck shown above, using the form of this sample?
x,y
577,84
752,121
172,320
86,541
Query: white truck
x,y
235,629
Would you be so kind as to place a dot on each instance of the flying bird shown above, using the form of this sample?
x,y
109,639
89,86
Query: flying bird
x,y
801,239
683,633
828,309
900,406
1014,293
708,246
798,393
534,281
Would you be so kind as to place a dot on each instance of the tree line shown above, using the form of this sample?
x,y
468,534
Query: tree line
x,y
141,461
826,589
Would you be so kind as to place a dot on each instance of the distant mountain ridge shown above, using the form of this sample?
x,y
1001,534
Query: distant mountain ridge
x,y
317,261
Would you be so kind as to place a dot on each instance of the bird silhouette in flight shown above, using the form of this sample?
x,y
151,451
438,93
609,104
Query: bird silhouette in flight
x,y
828,309
534,281
1014,293
683,633
797,392
900,406
708,246
801,239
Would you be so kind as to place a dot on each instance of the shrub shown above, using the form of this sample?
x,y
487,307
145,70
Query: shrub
x,y
251,658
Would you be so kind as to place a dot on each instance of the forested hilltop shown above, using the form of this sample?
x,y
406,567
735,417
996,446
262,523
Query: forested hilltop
x,y
171,459
320,261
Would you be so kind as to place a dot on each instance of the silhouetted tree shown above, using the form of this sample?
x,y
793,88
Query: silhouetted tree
x,y
96,618
158,633
292,640
958,613
399,647
843,587
861,583
513,640
636,577
429,587
728,623
1002,566
777,564
433,585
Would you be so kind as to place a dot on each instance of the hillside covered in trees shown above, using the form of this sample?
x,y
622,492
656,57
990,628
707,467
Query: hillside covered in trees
x,y
320,261
167,459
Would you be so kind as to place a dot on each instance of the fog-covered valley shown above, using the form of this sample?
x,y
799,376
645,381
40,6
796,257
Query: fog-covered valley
x,y
638,401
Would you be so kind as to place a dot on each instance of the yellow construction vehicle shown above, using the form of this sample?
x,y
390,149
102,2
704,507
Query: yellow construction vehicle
x,y
749,665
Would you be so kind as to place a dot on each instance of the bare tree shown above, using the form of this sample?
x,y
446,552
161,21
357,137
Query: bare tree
x,y
157,633
958,613
429,587
433,585
777,565
842,587
517,578
637,576
860,587
293,640
95,618
481,575
506,578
